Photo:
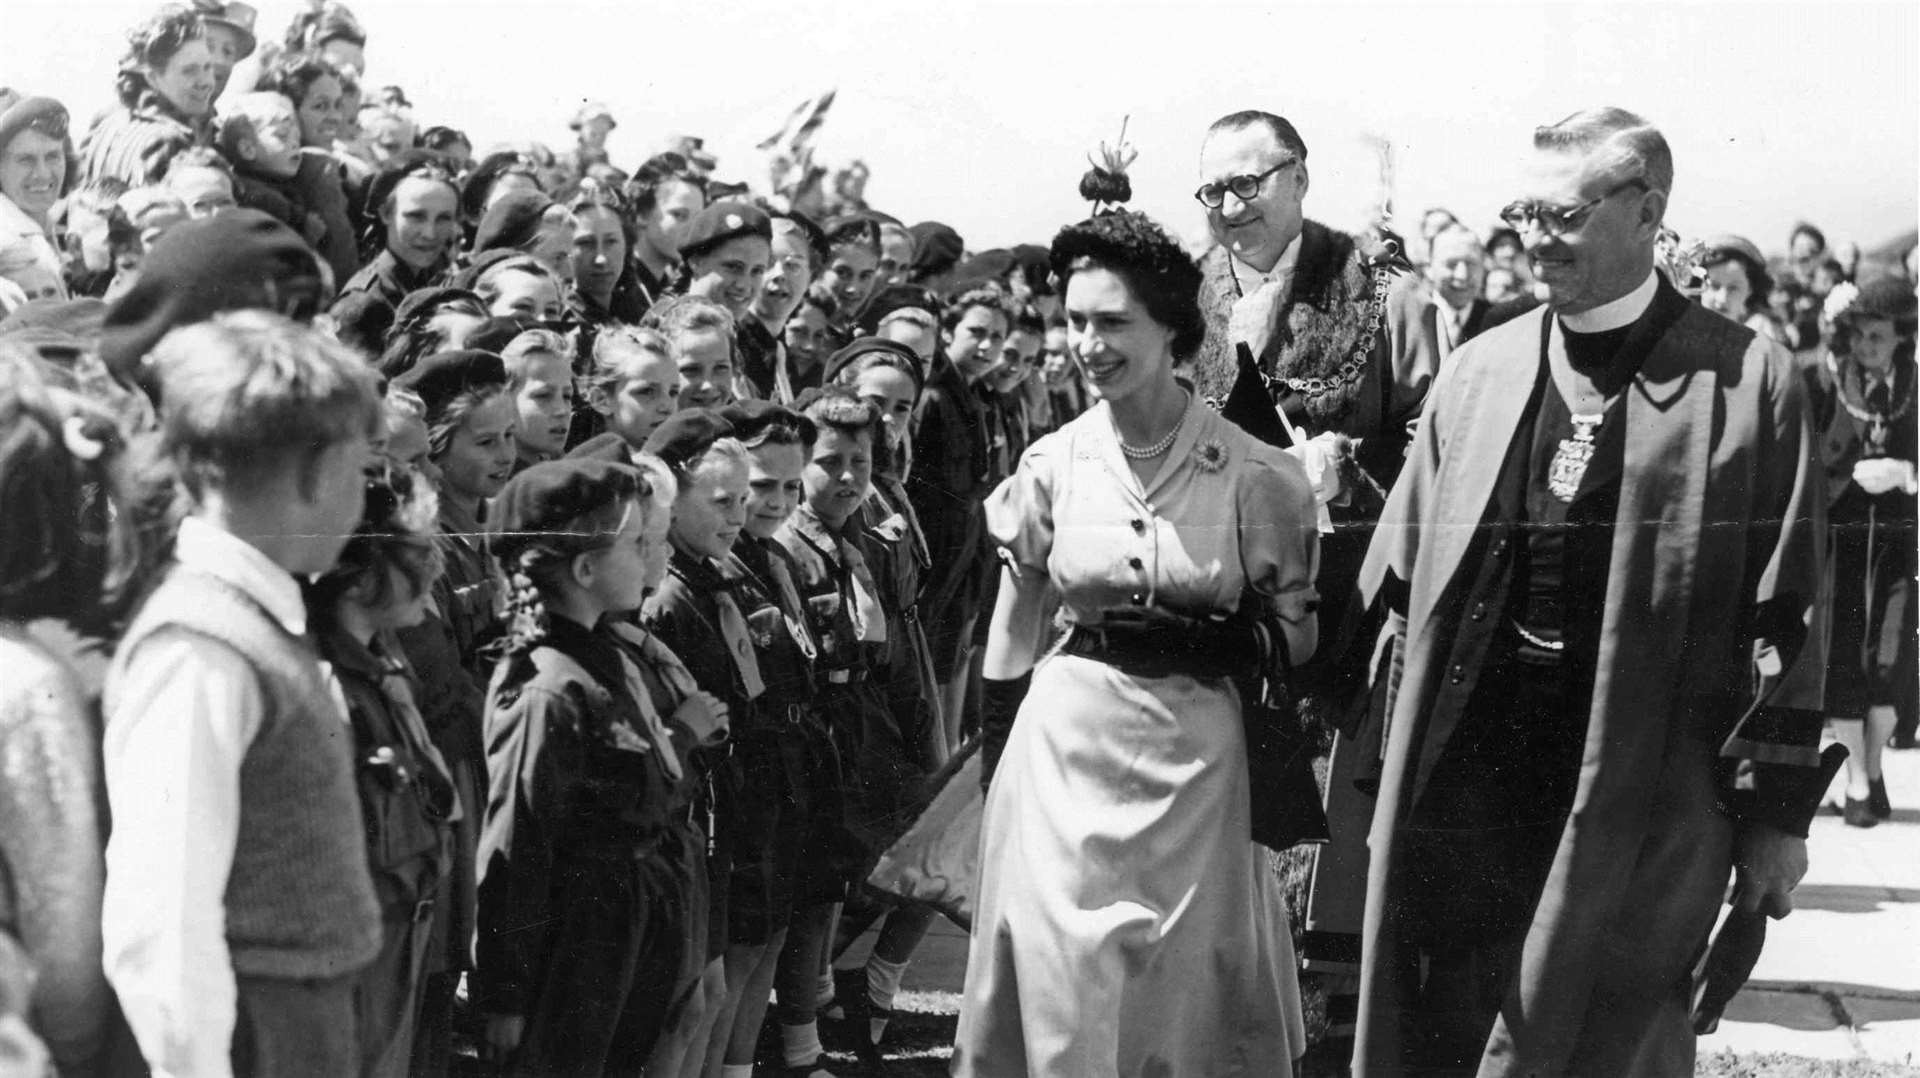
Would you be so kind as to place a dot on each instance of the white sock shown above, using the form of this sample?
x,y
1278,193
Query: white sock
x,y
800,1044
823,990
736,1070
883,983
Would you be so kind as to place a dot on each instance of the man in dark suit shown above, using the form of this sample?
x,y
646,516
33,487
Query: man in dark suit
x,y
1456,273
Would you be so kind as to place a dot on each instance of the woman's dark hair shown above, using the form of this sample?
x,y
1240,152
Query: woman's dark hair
x,y
855,231
643,190
1156,269
1818,237
439,137
413,336
63,484
295,73
151,44
479,183
322,23
396,532
988,296
1759,281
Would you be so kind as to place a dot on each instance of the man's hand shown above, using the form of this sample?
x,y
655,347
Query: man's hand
x,y
504,1032
1320,456
1768,864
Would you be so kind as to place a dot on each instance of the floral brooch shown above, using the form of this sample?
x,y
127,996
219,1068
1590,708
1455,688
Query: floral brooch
x,y
1210,455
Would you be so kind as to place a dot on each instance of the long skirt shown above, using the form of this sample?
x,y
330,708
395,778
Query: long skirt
x,y
1126,923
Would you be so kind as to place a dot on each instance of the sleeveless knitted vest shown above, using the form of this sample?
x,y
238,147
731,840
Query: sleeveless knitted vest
x,y
299,900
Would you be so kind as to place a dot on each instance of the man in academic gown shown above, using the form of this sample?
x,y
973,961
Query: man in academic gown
x,y
1603,555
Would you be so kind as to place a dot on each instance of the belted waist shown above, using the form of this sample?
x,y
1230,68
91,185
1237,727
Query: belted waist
x,y
1200,651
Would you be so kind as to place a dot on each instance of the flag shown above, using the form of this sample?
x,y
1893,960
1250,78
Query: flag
x,y
796,135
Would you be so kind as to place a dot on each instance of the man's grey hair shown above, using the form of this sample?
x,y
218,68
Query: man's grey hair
x,y
1637,148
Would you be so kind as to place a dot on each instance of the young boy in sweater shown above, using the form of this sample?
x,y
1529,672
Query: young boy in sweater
x,y
238,904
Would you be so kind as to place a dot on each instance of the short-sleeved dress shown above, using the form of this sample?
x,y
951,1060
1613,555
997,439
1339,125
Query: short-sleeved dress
x,y
1126,923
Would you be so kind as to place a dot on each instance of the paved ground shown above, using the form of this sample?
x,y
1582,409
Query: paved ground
x,y
1839,980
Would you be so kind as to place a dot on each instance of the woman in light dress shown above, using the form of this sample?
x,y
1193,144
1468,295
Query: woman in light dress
x,y
1126,925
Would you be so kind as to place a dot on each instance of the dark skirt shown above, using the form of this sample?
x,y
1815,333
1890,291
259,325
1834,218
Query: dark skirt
x,y
765,828
1870,657
883,785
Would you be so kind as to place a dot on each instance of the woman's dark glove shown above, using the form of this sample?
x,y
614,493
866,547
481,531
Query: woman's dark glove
x,y
999,703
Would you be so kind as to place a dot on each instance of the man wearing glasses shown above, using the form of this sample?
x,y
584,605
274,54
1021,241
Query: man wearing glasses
x,y
1313,345
1602,557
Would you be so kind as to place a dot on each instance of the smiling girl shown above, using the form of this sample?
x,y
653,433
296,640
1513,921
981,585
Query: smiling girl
x,y
166,90
700,332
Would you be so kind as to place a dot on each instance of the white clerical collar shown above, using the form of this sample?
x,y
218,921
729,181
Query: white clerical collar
x,y
1621,312
1251,278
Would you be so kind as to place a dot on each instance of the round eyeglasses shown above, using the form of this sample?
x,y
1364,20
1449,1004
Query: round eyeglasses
x,y
1244,187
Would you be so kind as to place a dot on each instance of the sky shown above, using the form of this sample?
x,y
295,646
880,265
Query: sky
x,y
981,113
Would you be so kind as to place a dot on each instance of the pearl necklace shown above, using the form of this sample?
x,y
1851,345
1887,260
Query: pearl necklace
x,y
1159,448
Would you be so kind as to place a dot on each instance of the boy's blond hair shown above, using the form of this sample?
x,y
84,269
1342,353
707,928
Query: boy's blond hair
x,y
532,342
248,394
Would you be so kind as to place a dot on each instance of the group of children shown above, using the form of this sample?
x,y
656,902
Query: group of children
x,y
625,725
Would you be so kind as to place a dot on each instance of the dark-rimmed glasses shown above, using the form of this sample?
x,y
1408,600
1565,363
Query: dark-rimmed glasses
x,y
1555,222
1244,187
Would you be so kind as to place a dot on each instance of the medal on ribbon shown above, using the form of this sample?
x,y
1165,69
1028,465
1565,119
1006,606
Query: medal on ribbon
x,y
1571,459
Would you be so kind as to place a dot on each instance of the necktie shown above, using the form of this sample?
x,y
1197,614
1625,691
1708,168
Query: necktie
x,y
791,605
733,630
656,730
869,620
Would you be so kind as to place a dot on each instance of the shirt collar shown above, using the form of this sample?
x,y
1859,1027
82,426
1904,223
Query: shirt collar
x,y
1251,278
1621,312
232,560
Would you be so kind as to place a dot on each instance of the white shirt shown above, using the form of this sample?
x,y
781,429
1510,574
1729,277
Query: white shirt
x,y
1621,312
184,716
1262,295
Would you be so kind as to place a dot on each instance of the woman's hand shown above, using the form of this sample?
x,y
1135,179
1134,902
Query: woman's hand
x,y
504,1032
705,716
1768,864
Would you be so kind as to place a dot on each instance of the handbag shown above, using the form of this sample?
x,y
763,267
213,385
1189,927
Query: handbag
x,y
1284,803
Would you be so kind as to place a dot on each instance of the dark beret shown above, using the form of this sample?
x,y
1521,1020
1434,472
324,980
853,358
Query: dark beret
x,y
685,435
421,299
482,262
936,248
361,321
839,361
893,298
233,260
724,221
399,167
1889,298
606,446
479,183
442,376
43,113
550,495
749,417
816,236
495,334
511,222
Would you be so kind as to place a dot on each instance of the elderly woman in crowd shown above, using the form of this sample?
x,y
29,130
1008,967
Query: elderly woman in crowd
x,y
36,168
166,84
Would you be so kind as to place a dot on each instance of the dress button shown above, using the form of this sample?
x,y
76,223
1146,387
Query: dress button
x,y
1500,549
1139,526
1479,611
1136,563
1457,674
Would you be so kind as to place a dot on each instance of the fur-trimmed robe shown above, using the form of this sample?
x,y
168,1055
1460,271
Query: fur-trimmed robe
x,y
1319,326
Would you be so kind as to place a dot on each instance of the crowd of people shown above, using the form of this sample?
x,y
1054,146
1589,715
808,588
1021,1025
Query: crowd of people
x,y
473,613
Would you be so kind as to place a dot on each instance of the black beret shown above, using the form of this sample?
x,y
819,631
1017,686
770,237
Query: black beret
x,y
495,334
1889,298
442,376
41,112
838,361
399,167
233,260
361,321
550,495
816,236
606,446
721,222
479,183
749,417
482,262
511,222
936,248
898,297
433,296
685,435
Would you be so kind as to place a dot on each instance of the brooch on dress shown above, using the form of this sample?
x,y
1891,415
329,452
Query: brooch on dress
x,y
1210,455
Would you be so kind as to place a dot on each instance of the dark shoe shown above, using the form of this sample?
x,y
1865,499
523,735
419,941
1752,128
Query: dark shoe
x,y
1877,799
1858,814
865,1048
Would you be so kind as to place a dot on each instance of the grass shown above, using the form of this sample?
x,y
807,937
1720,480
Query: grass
x,y
1774,1065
